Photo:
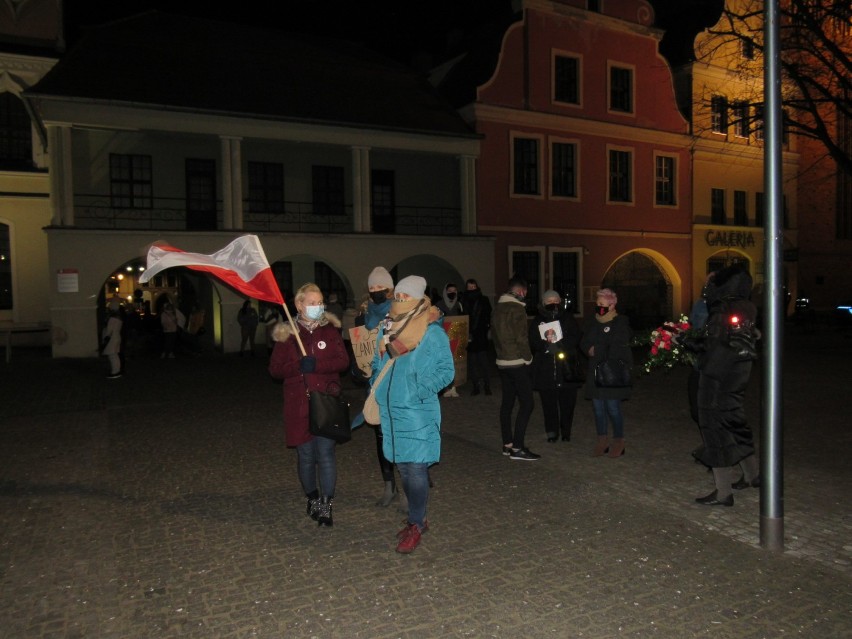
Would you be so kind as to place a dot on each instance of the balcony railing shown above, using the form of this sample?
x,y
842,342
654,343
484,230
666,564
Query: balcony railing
x,y
96,212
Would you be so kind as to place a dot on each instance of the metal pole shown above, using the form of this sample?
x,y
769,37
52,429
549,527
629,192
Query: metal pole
x,y
772,486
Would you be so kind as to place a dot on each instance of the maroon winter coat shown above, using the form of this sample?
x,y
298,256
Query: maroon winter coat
x,y
326,345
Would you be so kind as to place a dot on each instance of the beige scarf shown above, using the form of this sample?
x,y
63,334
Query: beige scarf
x,y
409,320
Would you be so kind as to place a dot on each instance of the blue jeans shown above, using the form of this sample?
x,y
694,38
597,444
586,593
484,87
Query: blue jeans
x,y
612,409
415,483
317,457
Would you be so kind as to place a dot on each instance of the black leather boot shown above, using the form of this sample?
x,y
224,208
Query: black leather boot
x,y
325,511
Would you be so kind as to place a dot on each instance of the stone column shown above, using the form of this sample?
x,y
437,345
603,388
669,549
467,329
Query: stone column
x,y
61,183
361,222
467,187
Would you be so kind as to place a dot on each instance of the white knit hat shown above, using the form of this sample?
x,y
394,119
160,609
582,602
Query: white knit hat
x,y
413,285
379,276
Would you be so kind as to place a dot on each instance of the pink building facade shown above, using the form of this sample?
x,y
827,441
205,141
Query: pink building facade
x,y
584,174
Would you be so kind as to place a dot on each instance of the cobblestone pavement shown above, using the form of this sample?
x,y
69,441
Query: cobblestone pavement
x,y
165,504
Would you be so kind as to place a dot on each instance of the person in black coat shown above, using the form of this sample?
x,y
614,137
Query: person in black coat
x,y
726,351
607,336
478,310
556,370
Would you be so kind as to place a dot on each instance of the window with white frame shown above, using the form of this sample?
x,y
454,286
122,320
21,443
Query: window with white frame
x,y
665,182
566,79
740,117
566,276
620,89
620,175
527,262
525,166
563,165
327,189
719,114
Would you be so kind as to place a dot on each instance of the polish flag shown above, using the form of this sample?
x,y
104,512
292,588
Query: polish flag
x,y
242,264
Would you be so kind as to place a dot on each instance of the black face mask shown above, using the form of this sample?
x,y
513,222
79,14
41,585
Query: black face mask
x,y
379,297
451,296
553,309
601,310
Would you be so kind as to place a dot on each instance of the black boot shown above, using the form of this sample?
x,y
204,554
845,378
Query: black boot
x,y
313,505
325,507
475,389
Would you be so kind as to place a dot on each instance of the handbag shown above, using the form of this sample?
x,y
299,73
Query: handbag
x,y
612,373
328,414
371,412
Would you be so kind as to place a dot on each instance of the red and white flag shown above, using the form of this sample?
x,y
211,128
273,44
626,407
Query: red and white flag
x,y
242,264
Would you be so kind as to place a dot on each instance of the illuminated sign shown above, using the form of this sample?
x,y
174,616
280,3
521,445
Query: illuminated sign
x,y
733,239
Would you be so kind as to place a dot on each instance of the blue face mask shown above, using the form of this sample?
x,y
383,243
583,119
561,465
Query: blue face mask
x,y
314,312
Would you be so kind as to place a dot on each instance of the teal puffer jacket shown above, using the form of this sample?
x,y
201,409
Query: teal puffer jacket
x,y
408,398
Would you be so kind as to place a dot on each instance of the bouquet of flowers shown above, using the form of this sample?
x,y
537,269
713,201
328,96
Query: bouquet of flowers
x,y
666,347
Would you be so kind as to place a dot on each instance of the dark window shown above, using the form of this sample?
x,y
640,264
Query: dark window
x,y
383,198
567,81
16,138
759,209
664,186
265,187
620,189
594,5
526,166
527,264
131,185
740,208
748,48
328,190
717,206
564,169
5,268
200,195
719,114
621,89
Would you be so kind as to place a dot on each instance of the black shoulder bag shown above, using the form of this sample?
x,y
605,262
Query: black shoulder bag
x,y
328,413
612,373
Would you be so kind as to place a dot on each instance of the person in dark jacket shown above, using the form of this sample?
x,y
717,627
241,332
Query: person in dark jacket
x,y
512,344
478,310
373,312
318,369
607,335
555,365
726,353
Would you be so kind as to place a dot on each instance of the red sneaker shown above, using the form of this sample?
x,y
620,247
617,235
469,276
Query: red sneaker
x,y
402,533
410,540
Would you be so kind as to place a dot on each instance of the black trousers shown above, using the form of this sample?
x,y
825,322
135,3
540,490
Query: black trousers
x,y
558,404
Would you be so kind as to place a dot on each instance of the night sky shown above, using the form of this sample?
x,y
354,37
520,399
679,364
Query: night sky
x,y
422,33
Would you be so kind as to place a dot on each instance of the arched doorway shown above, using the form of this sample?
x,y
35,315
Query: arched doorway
x,y
644,289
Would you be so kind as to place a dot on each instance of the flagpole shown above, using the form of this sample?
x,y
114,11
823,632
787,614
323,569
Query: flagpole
x,y
295,329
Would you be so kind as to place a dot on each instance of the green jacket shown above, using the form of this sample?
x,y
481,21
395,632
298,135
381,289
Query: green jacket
x,y
510,333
